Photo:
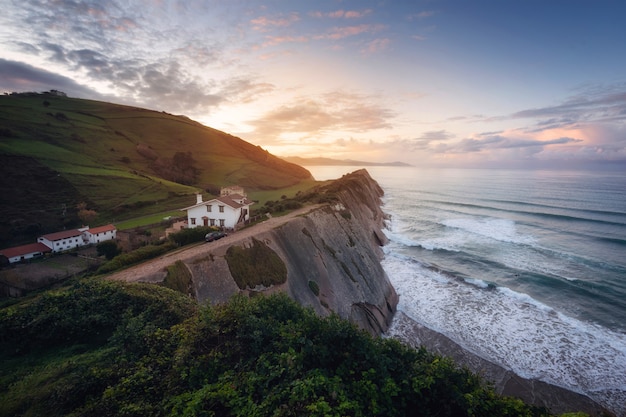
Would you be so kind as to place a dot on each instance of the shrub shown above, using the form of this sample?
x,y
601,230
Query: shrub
x,y
187,236
109,249
314,287
157,354
256,265
136,256
178,278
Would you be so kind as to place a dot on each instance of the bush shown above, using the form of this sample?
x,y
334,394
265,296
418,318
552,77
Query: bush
x,y
187,236
178,278
314,287
136,256
108,249
158,355
256,265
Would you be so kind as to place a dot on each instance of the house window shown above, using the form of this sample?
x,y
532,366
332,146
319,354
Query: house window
x,y
193,220
208,208
221,209
212,222
222,222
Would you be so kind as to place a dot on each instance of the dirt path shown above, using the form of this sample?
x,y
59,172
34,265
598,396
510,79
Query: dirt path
x,y
155,267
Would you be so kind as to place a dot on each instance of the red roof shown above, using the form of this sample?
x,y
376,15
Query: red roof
x,y
231,202
223,199
101,229
24,250
63,235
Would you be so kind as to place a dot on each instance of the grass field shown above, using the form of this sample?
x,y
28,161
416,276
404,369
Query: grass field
x,y
58,152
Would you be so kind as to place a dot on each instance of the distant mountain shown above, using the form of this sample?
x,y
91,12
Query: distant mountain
x,y
340,162
56,152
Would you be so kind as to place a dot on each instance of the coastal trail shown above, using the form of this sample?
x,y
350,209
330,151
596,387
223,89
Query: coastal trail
x,y
155,266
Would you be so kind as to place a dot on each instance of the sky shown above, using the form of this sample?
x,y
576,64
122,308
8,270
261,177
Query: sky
x,y
441,83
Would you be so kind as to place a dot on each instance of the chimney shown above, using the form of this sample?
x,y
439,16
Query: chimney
x,y
198,198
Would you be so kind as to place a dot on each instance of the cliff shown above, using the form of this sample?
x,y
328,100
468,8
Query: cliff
x,y
326,257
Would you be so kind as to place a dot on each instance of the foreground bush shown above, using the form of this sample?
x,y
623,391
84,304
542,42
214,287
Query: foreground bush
x,y
160,356
138,255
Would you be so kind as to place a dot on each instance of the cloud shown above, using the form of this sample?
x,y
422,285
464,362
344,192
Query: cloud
x,y
19,77
99,44
496,142
596,104
342,14
245,90
376,46
265,23
277,40
315,115
428,141
337,33
421,15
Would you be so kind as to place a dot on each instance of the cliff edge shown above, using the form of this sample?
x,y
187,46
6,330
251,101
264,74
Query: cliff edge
x,y
326,257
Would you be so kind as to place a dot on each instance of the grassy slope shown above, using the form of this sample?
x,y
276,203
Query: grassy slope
x,y
93,146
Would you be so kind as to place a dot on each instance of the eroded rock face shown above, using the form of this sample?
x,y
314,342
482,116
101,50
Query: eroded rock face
x,y
332,255
337,252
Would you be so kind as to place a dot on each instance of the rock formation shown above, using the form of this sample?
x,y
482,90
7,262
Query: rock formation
x,y
332,255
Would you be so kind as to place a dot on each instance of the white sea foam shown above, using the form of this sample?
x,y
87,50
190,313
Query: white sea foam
x,y
460,233
502,230
514,331
477,282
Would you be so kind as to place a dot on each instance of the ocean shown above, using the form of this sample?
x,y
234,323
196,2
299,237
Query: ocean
x,y
526,269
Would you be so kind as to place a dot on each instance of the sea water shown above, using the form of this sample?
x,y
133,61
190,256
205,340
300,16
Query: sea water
x,y
526,269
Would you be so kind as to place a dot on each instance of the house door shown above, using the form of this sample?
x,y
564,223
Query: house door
x,y
205,221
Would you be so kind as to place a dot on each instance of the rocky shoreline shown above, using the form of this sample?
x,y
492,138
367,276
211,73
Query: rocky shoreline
x,y
558,400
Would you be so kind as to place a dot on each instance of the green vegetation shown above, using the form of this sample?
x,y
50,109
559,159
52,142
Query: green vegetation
x,y
105,348
138,255
108,249
256,265
314,287
178,278
123,162
187,236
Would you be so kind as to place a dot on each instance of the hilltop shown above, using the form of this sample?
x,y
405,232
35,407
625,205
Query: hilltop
x,y
341,162
120,161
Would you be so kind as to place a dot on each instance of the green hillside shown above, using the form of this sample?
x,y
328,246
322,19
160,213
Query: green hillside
x,y
56,152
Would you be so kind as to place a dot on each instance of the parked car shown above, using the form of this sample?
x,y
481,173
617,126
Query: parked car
x,y
211,236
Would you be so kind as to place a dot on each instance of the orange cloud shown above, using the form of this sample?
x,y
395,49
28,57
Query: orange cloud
x,y
263,23
342,14
277,40
376,45
346,31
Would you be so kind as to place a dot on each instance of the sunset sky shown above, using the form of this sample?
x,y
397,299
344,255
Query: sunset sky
x,y
502,83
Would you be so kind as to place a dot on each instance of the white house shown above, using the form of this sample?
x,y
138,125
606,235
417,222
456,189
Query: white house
x,y
224,211
232,190
24,252
100,234
70,239
65,240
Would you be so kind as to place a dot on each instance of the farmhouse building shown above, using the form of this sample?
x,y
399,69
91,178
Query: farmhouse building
x,y
100,234
232,190
59,242
227,212
65,240
24,252
71,239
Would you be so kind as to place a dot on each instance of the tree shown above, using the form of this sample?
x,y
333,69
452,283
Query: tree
x,y
84,214
108,249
